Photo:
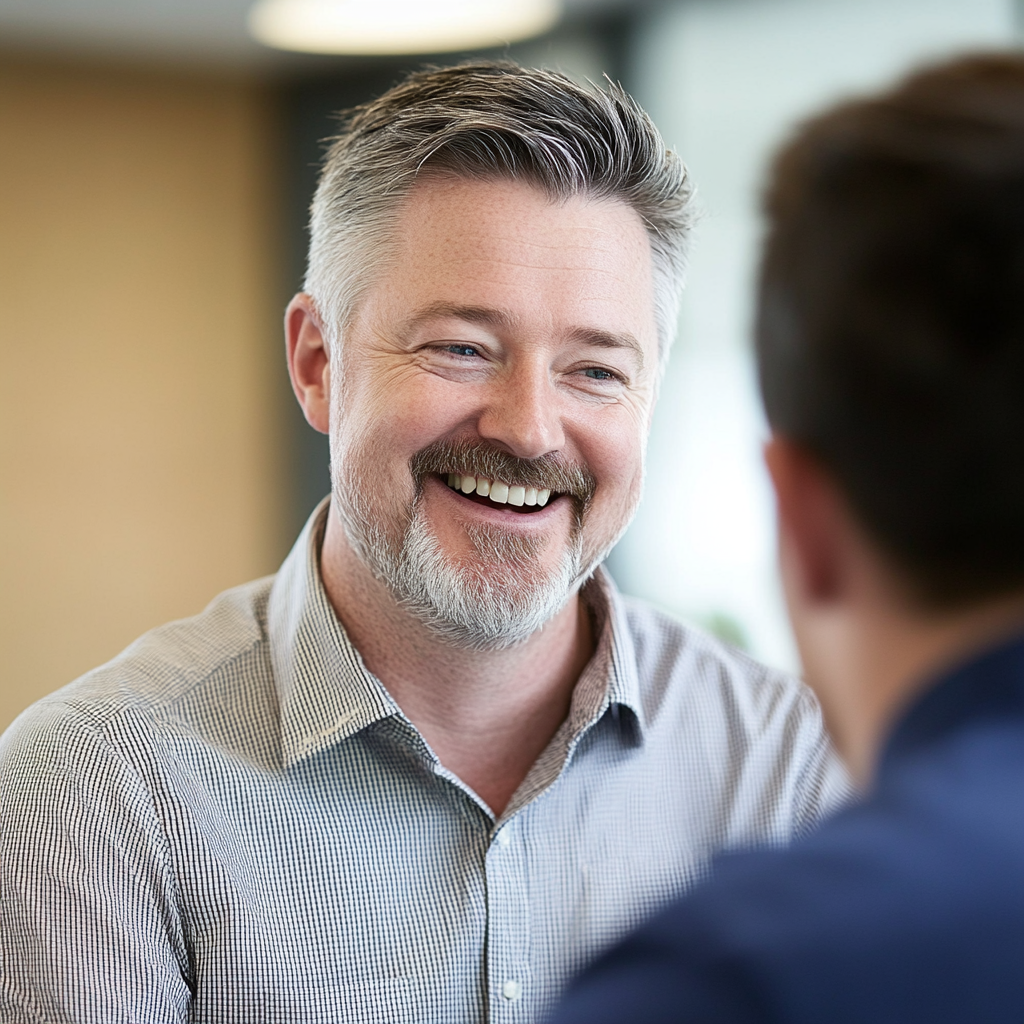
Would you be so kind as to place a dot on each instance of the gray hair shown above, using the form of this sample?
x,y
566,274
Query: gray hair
x,y
491,119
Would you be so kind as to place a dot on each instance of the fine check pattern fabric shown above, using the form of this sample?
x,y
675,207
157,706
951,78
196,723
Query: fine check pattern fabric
x,y
233,822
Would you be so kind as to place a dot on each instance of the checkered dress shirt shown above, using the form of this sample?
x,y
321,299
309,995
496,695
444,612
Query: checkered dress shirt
x,y
234,822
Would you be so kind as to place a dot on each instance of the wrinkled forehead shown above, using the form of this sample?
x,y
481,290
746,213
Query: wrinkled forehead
x,y
584,262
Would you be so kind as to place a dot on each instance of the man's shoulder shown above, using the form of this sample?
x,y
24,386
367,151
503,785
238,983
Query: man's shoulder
x,y
853,922
931,856
672,655
923,896
872,917
752,733
157,675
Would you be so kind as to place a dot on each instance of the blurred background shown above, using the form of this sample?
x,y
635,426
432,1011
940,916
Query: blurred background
x,y
156,164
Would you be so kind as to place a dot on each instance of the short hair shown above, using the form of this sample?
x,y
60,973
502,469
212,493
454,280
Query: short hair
x,y
486,120
890,330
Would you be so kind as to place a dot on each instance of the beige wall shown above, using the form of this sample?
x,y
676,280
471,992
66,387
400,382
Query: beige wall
x,y
139,313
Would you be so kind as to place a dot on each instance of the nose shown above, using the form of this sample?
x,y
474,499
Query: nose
x,y
522,413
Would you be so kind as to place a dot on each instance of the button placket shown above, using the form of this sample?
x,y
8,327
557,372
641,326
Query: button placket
x,y
508,968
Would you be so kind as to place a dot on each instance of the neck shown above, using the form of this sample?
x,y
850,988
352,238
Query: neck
x,y
889,655
487,715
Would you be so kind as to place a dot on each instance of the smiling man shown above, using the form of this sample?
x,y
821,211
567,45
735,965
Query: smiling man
x,y
437,763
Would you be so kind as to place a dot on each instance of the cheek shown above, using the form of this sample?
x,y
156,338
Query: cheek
x,y
395,414
616,458
620,440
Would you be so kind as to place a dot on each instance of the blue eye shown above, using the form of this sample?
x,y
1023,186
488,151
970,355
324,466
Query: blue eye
x,y
461,350
596,373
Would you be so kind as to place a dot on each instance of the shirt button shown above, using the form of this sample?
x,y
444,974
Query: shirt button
x,y
511,990
503,837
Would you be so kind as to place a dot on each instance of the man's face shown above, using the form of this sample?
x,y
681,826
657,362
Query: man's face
x,y
507,349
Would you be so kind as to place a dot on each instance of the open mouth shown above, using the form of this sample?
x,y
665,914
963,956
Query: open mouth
x,y
519,498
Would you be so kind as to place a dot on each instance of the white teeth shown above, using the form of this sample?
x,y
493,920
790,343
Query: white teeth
x,y
498,491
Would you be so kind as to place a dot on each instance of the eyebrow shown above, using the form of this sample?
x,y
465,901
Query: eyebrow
x,y
499,318
484,315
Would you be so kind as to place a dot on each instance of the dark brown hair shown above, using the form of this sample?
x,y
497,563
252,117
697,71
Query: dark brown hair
x,y
890,331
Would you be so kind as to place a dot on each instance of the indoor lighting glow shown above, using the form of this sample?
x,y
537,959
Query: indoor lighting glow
x,y
398,26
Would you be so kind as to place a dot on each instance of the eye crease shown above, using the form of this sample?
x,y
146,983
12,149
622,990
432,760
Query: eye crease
x,y
593,372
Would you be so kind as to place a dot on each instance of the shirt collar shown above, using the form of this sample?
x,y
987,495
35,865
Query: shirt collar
x,y
988,685
325,690
614,660
327,694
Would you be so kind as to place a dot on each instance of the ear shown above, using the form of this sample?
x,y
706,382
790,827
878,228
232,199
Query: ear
x,y
812,525
308,361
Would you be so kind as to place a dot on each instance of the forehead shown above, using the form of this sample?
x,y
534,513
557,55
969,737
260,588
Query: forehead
x,y
578,262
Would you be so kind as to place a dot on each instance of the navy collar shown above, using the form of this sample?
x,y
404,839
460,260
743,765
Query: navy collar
x,y
988,685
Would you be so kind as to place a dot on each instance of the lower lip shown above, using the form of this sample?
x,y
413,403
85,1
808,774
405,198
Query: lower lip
x,y
503,514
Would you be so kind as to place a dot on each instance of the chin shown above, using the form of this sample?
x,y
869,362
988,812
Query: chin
x,y
498,601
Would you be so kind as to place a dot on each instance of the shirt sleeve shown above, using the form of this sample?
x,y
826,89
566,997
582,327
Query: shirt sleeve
x,y
89,923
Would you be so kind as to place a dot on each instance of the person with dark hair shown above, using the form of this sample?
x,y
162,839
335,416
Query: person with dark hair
x,y
890,338
434,765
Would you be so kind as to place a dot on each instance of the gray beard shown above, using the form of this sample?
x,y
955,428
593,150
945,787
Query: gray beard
x,y
470,608
496,604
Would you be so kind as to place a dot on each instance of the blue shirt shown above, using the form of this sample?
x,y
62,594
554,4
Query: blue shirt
x,y
234,822
906,908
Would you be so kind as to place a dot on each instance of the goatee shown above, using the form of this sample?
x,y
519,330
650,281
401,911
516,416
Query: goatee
x,y
505,593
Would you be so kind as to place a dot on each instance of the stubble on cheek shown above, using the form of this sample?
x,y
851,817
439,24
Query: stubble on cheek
x,y
376,511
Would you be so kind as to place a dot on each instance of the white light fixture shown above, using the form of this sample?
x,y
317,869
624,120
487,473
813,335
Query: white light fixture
x,y
398,26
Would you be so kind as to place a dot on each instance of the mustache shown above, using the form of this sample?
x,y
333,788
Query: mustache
x,y
553,472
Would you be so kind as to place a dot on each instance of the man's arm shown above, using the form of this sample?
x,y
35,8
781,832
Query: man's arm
x,y
89,922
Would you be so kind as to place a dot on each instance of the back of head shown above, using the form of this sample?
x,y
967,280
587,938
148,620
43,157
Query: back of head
x,y
491,119
891,324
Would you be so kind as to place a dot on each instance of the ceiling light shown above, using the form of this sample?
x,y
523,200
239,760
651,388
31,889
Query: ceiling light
x,y
398,26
